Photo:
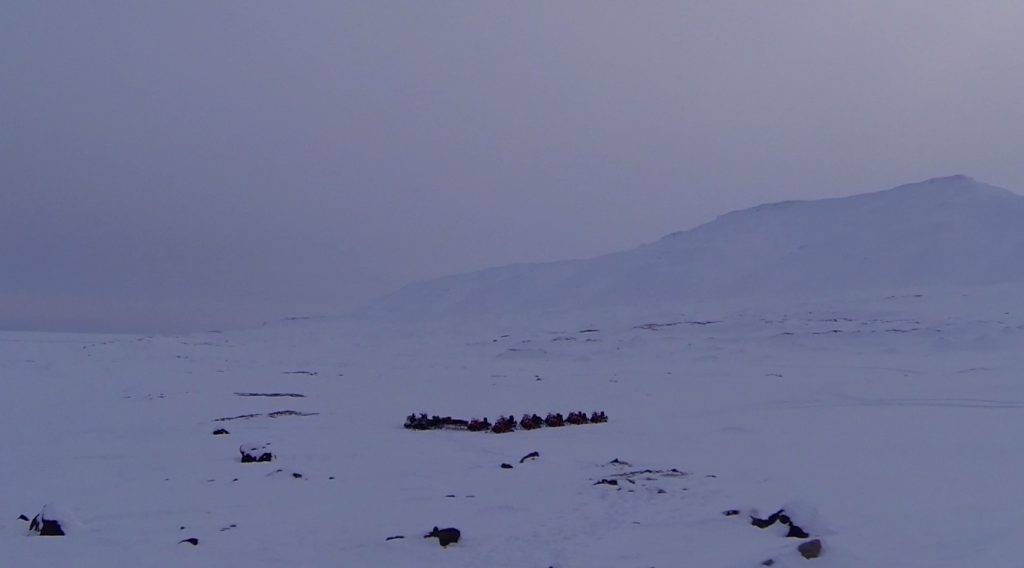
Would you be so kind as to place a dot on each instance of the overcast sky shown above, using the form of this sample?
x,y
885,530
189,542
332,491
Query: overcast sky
x,y
198,164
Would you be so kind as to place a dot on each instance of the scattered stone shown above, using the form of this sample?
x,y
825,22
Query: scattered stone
x,y
256,454
617,461
272,394
531,455
810,549
22,518
731,513
193,541
506,466
396,537
220,432
445,536
614,482
297,475
768,562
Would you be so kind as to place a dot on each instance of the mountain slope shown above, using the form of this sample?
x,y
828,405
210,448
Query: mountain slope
x,y
951,231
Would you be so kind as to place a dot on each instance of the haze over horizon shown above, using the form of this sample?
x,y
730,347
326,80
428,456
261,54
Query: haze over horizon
x,y
192,166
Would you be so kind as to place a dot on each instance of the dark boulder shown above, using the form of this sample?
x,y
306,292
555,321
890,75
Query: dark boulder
x,y
445,536
810,549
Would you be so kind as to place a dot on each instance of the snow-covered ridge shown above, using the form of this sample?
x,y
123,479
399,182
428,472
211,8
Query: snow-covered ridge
x,y
943,232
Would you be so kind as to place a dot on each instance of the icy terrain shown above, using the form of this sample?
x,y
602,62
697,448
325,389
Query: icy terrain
x,y
880,415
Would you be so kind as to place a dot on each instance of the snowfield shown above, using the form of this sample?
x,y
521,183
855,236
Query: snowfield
x,y
884,419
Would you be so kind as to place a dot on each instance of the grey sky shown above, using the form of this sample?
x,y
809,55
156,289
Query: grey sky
x,y
192,164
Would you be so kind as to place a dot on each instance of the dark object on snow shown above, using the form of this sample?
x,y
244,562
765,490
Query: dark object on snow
x,y
577,418
794,531
220,432
780,517
239,417
272,394
554,420
504,424
598,417
617,461
445,536
529,456
280,413
297,475
45,526
731,513
607,482
765,523
768,562
478,425
22,518
255,454
531,422
193,541
396,537
506,466
424,422
810,549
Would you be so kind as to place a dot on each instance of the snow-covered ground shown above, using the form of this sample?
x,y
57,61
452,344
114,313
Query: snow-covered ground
x,y
886,426
882,416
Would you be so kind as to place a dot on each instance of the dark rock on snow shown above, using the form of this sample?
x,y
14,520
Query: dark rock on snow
x,y
810,549
220,432
530,455
765,523
506,466
445,536
192,541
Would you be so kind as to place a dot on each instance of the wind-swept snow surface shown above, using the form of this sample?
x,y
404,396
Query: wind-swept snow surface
x,y
882,421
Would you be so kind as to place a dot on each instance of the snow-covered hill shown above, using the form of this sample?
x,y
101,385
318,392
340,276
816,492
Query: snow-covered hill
x,y
949,231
